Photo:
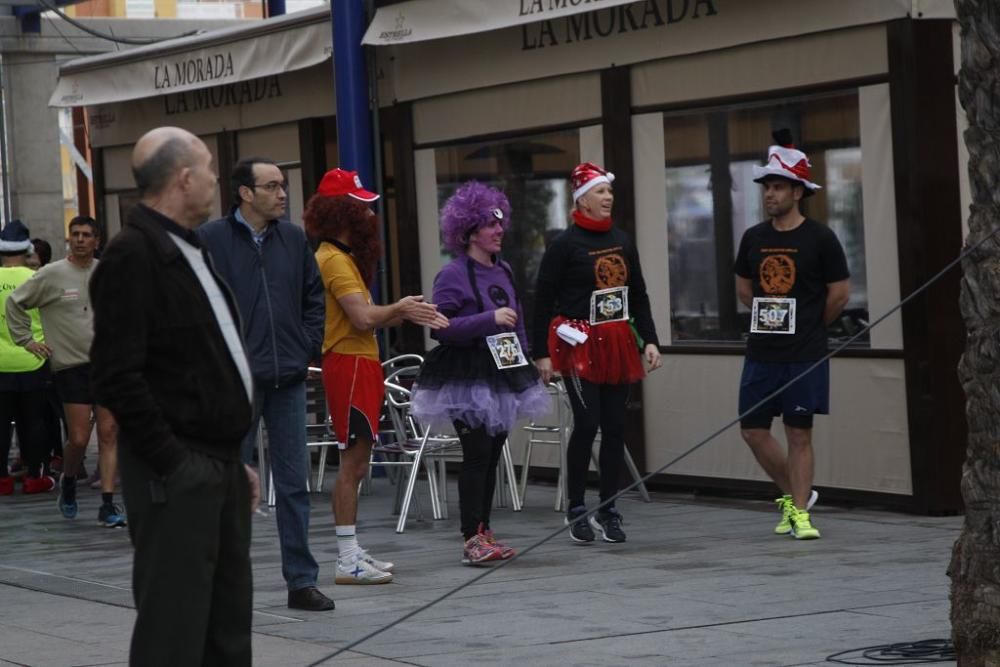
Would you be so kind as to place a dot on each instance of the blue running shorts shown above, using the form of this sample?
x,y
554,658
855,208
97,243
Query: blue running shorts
x,y
809,395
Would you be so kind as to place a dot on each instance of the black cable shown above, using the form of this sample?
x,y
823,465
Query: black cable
x,y
501,564
66,39
134,41
924,652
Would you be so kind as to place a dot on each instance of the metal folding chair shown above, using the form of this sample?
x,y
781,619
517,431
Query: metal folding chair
x,y
410,446
555,433
400,370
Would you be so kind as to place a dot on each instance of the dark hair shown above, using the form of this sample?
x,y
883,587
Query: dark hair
x,y
242,175
43,250
82,220
152,175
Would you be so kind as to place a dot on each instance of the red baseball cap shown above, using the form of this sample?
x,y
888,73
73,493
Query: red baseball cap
x,y
337,182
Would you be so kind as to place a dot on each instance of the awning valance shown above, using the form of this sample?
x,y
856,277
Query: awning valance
x,y
419,20
212,59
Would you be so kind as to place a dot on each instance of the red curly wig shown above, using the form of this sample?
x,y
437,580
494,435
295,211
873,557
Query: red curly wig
x,y
326,218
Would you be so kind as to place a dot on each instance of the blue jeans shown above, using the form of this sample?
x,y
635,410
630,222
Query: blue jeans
x,y
284,414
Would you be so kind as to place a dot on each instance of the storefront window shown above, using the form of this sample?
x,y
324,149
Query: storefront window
x,y
533,172
712,200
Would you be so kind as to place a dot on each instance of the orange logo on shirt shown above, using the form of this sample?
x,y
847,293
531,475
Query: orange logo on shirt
x,y
777,274
610,271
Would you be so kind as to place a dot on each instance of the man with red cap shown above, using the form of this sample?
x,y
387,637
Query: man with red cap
x,y
791,272
339,217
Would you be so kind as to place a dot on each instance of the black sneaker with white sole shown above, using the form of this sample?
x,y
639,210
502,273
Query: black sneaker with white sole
x,y
579,530
609,524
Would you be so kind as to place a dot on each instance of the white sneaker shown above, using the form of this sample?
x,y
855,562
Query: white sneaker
x,y
383,565
813,497
360,571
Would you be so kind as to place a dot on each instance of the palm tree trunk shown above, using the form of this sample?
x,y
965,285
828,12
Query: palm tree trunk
x,y
975,563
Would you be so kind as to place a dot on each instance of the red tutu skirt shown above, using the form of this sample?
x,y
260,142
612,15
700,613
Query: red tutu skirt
x,y
610,354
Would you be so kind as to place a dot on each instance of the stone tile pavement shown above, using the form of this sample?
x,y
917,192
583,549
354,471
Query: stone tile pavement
x,y
700,582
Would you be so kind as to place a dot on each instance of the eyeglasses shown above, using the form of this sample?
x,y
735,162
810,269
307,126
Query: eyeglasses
x,y
272,186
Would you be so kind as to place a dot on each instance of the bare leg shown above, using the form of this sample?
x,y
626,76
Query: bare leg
x,y
800,464
353,468
78,428
107,448
770,455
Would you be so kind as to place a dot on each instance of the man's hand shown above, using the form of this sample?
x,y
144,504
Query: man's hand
x,y
254,481
544,366
40,350
505,317
652,355
415,309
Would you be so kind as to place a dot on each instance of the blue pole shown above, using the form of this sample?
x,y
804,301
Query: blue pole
x,y
355,139
350,69
275,8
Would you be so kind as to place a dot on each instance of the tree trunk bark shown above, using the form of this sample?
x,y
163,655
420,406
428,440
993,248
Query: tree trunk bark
x,y
975,563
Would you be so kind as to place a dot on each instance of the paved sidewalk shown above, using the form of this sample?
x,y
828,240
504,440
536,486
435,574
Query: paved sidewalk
x,y
699,582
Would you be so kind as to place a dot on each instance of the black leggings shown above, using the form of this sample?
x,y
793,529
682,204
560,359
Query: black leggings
x,y
28,409
478,477
602,406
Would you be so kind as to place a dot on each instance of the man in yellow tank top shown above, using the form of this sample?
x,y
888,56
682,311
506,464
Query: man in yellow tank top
x,y
339,217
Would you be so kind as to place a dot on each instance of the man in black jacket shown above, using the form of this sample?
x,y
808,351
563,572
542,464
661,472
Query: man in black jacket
x,y
270,267
168,361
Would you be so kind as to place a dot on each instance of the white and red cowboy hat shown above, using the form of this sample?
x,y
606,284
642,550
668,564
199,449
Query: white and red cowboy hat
x,y
586,176
786,161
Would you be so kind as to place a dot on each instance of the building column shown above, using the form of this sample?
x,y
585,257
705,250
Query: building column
x,y
33,150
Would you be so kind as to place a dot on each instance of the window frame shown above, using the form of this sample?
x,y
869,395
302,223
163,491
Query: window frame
x,y
763,98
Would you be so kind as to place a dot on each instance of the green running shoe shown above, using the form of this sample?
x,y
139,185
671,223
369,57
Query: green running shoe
x,y
802,529
785,505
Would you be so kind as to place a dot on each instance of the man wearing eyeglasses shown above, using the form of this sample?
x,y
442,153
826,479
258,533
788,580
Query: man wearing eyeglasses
x,y
270,267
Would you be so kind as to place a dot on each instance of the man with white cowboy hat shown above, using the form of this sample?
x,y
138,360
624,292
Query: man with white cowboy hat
x,y
791,272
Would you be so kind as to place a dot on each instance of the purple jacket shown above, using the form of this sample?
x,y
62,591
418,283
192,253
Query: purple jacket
x,y
472,319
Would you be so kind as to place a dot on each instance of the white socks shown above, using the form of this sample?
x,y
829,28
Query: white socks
x,y
347,543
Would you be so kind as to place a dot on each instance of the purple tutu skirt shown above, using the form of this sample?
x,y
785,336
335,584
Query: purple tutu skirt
x,y
463,383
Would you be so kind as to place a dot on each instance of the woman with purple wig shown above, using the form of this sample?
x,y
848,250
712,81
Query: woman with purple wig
x,y
478,379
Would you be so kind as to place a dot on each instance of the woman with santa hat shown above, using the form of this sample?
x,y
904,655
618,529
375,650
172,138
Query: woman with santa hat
x,y
479,379
593,326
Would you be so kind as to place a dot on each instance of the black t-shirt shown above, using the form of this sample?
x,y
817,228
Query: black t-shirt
x,y
796,264
576,263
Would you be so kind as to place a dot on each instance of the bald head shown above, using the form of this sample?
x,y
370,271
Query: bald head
x,y
159,155
173,170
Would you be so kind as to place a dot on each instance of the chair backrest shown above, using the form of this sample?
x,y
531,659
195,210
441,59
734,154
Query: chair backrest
x,y
397,406
408,430
402,370
563,409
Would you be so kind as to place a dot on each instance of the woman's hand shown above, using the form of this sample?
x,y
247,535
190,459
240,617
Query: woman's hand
x,y
505,317
652,356
544,366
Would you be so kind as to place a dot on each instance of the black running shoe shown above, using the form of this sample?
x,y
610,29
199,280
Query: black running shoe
x,y
579,529
609,524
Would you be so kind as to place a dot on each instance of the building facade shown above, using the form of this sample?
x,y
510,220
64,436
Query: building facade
x,y
679,99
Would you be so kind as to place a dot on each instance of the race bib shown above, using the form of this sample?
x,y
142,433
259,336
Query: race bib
x,y
772,315
609,305
506,350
